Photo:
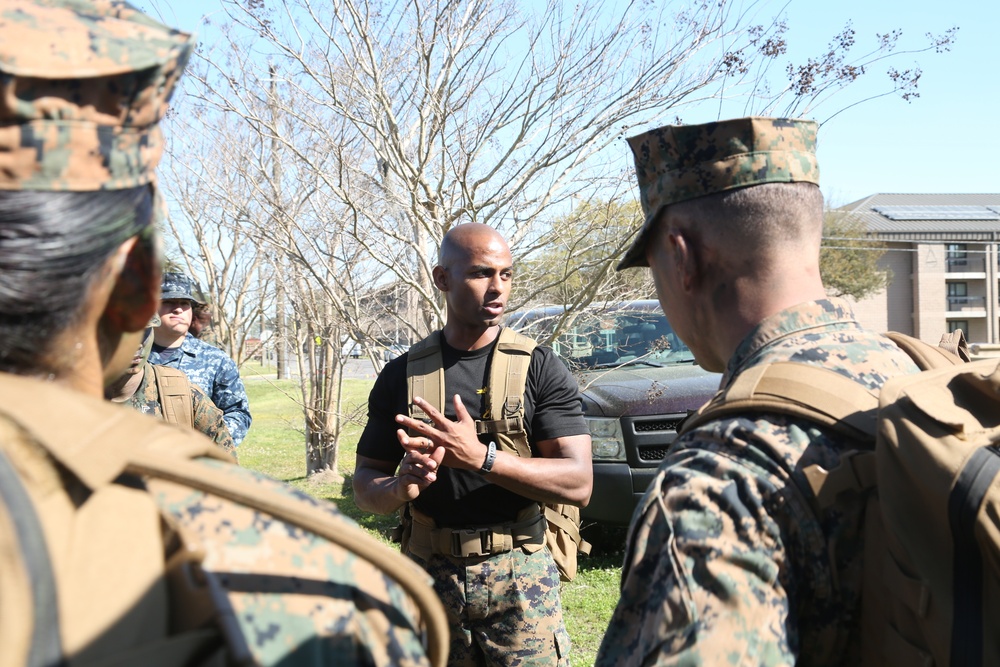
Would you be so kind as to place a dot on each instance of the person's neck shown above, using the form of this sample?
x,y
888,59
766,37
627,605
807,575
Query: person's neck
x,y
469,339
125,388
750,301
168,339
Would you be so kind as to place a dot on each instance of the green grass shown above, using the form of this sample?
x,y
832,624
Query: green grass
x,y
275,445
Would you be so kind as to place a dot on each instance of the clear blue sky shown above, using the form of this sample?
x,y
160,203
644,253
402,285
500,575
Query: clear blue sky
x,y
945,141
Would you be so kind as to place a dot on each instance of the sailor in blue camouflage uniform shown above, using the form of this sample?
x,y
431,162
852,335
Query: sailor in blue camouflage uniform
x,y
726,562
205,365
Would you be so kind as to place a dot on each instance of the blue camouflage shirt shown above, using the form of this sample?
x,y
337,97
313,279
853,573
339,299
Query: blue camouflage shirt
x,y
213,371
726,564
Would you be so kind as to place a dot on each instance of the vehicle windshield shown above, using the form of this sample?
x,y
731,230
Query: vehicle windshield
x,y
631,333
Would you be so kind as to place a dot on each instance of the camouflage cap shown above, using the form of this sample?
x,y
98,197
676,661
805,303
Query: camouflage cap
x,y
83,86
676,163
180,286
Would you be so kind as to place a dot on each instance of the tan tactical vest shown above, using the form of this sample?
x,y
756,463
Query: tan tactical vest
x,y
503,421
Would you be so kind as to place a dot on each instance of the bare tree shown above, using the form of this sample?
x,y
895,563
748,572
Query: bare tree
x,y
214,242
394,121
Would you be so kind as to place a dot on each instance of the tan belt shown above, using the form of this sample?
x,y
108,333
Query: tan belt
x,y
427,539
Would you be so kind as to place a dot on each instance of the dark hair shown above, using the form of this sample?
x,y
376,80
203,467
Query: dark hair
x,y
51,246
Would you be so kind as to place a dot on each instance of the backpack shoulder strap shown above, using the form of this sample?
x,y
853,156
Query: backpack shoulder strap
x,y
926,356
509,375
425,374
98,441
798,390
174,389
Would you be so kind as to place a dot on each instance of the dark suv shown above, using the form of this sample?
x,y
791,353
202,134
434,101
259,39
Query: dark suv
x,y
638,382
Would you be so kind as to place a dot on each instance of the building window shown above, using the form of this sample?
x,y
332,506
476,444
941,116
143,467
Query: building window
x,y
959,324
956,257
958,289
956,251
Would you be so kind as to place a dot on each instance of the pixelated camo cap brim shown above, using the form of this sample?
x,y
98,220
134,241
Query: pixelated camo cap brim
x,y
179,286
676,163
83,86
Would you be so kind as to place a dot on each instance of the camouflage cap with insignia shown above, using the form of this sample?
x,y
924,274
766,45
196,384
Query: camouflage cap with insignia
x,y
84,86
180,286
676,163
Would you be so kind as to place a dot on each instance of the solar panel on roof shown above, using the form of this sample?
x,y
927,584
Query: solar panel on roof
x,y
928,212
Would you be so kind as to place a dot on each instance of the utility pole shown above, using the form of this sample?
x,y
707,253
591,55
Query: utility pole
x,y
280,327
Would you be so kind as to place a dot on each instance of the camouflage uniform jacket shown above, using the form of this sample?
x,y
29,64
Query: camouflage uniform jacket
x,y
210,368
726,563
207,417
283,594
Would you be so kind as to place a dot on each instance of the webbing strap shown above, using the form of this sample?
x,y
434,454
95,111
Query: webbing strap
x,y
799,390
508,376
515,350
928,356
45,649
425,375
174,390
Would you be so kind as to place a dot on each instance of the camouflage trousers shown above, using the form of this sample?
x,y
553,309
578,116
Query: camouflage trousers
x,y
503,610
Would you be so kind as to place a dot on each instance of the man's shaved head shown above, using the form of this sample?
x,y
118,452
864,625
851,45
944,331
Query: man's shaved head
x,y
462,241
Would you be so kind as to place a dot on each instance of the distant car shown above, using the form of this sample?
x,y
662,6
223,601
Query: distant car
x,y
351,349
638,381
393,351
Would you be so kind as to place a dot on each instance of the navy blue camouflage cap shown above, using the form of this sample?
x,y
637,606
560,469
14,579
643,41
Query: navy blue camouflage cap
x,y
180,286
676,163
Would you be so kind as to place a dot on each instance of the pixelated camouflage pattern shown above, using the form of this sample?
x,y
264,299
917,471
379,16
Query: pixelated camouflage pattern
x,y
217,374
83,86
207,417
503,610
298,599
180,286
675,163
726,562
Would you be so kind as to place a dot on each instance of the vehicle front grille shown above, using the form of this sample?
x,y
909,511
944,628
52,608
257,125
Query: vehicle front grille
x,y
649,438
657,425
653,453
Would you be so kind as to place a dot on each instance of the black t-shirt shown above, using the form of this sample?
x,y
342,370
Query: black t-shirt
x,y
460,498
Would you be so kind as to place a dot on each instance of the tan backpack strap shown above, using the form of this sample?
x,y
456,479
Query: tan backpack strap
x,y
927,356
955,343
509,375
28,605
798,390
425,375
174,389
313,519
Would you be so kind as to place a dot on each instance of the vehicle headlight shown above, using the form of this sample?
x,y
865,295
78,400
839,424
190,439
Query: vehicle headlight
x,y
606,438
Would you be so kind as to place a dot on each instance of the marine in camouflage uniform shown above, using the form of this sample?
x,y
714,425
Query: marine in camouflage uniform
x,y
205,365
727,562
476,523
108,519
206,417
138,388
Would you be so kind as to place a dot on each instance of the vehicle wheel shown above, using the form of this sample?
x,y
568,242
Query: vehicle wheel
x,y
604,539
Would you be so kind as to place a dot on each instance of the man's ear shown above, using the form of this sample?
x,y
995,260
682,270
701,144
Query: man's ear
x,y
136,293
440,275
685,258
